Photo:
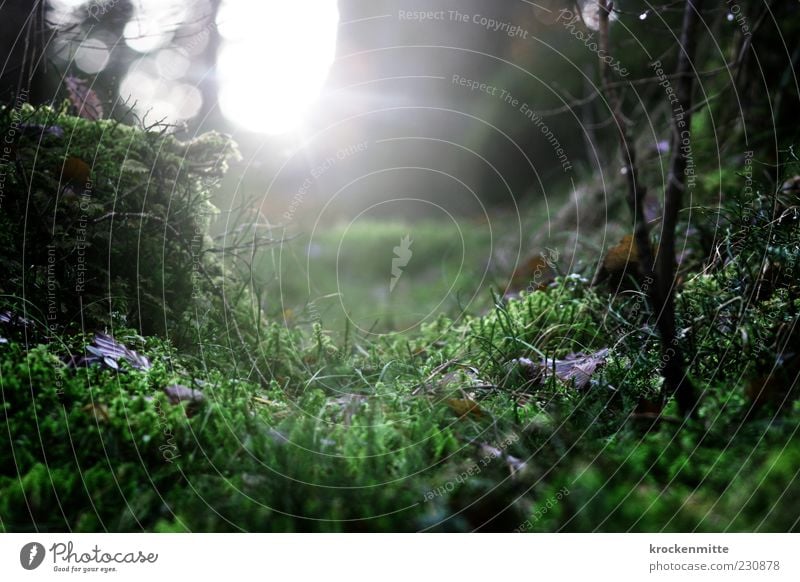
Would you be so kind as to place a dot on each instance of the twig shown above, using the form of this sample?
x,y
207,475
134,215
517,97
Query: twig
x,y
142,215
569,106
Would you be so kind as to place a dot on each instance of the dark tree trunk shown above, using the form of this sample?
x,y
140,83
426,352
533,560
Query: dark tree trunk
x,y
675,380
22,51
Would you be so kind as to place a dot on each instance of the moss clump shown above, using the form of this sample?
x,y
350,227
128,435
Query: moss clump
x,y
106,223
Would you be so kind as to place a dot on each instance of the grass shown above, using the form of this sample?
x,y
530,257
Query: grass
x,y
344,274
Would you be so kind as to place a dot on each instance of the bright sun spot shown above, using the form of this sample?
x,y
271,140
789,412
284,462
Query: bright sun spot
x,y
274,60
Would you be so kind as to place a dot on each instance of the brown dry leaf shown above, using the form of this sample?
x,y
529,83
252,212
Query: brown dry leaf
x,y
264,401
577,367
533,274
623,254
75,171
622,259
99,411
465,406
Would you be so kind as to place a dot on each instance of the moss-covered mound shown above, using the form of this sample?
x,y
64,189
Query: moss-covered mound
x,y
104,223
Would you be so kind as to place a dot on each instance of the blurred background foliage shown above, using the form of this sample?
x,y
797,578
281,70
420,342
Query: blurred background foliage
x,y
368,75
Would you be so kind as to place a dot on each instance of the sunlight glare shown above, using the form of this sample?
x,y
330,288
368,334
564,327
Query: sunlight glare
x,y
274,60
153,24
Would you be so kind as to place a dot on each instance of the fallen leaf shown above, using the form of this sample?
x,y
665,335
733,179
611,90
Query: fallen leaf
x,y
577,368
624,253
83,98
622,259
75,171
107,351
264,401
178,393
534,274
465,406
99,411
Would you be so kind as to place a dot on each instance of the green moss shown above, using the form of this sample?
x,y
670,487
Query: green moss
x,y
107,223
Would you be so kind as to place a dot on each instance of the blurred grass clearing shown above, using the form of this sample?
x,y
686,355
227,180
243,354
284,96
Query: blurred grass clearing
x,y
345,272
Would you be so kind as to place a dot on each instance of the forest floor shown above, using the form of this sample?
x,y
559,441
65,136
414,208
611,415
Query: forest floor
x,y
376,377
527,414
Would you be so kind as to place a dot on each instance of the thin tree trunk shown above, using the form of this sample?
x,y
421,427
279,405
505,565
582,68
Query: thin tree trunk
x,y
675,380
659,281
